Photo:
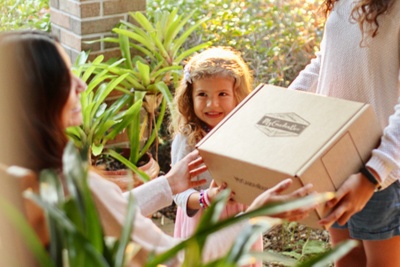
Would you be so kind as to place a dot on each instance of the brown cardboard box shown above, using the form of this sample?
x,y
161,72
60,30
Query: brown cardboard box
x,y
277,133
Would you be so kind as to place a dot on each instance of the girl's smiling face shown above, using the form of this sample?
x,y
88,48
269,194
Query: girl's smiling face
x,y
213,99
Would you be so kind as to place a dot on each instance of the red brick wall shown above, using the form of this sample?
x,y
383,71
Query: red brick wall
x,y
77,21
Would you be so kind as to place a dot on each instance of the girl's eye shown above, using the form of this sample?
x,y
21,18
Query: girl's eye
x,y
223,94
201,94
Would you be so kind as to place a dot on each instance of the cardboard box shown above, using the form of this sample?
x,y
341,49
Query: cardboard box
x,y
277,133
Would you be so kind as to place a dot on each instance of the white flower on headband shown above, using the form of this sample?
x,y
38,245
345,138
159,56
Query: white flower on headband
x,y
186,74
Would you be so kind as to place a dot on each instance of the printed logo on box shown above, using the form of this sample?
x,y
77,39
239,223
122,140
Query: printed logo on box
x,y
282,124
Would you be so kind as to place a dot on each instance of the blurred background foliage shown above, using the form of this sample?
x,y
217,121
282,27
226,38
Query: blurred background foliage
x,y
22,14
277,38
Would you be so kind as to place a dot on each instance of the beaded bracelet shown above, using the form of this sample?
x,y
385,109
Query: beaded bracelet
x,y
202,202
367,174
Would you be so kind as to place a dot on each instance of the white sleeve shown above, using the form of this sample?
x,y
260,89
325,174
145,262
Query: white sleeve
x,y
385,159
152,196
179,150
112,207
307,80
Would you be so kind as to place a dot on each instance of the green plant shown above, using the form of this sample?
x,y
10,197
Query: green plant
x,y
239,254
76,233
155,72
160,42
277,38
103,121
77,237
23,14
308,249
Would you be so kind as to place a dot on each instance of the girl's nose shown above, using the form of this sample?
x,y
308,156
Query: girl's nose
x,y
212,102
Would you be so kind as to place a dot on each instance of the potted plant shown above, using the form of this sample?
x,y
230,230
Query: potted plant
x,y
147,78
103,121
159,47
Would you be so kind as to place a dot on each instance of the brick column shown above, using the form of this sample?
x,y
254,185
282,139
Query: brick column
x,y
77,21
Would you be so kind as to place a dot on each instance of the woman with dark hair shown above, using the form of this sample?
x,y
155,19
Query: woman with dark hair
x,y
50,102
359,60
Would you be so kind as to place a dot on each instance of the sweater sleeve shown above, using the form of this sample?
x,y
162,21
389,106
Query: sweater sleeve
x,y
112,207
179,150
152,196
307,79
386,158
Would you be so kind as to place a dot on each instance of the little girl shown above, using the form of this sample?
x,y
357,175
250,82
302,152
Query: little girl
x,y
214,82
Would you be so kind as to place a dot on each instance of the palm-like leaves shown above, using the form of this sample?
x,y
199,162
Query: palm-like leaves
x,y
239,253
77,238
101,122
144,80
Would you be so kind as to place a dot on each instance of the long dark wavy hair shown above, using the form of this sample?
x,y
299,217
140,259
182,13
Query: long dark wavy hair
x,y
43,89
365,12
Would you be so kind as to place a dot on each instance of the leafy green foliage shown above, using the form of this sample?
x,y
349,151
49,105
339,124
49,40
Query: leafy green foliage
x,y
155,70
159,40
77,237
24,14
277,38
239,254
76,233
101,122
32,241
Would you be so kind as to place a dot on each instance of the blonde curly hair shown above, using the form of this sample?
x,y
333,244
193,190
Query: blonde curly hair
x,y
213,62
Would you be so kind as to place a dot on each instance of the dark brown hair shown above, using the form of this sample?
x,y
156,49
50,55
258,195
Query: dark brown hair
x,y
43,89
365,12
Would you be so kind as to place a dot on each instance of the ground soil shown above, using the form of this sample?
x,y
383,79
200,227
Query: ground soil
x,y
283,239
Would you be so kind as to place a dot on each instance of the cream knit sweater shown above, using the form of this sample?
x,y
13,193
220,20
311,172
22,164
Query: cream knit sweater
x,y
368,73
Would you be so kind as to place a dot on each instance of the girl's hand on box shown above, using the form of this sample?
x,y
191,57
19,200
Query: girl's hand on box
x,y
274,194
214,190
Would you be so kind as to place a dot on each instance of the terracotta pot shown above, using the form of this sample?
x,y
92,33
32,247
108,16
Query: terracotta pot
x,y
127,180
